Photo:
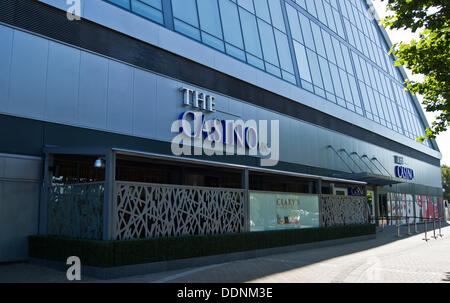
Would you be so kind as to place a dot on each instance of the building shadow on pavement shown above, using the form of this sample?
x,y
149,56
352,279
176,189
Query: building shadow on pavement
x,y
257,268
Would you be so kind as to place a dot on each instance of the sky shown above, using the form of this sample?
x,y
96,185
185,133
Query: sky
x,y
443,140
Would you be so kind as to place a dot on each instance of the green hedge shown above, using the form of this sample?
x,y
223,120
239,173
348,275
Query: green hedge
x,y
120,253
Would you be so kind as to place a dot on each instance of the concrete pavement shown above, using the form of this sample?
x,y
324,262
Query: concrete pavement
x,y
384,259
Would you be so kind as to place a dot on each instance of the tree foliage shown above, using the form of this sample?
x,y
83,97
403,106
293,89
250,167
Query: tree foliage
x,y
446,181
429,55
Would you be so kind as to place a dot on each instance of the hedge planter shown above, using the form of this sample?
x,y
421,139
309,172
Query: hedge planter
x,y
106,254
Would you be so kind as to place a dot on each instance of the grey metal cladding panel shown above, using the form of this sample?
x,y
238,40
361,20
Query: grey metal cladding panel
x,y
24,137
93,91
285,140
167,96
19,202
300,148
120,93
3,250
18,218
17,168
6,38
69,136
28,75
2,167
62,83
249,111
144,104
223,105
236,108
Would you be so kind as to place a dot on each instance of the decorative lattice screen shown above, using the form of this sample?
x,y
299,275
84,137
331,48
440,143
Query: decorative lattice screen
x,y
154,210
76,210
343,210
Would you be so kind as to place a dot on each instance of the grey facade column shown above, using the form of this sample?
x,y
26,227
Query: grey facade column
x,y
312,186
319,192
109,197
376,204
43,205
413,193
245,186
319,187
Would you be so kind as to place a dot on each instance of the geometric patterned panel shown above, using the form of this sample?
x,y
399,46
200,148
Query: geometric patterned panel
x,y
76,211
343,210
145,210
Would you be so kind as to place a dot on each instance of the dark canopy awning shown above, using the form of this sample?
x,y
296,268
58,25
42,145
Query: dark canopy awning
x,y
371,178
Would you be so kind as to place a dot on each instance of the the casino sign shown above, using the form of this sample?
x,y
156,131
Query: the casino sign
x,y
404,173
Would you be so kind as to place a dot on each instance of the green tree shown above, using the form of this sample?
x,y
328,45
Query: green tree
x,y
446,181
429,55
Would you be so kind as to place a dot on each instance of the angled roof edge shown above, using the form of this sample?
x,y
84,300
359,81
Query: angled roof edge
x,y
416,102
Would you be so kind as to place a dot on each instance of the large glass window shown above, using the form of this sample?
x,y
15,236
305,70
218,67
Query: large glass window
x,y
251,31
149,9
336,48
75,169
275,211
209,15
142,170
231,27
302,61
268,42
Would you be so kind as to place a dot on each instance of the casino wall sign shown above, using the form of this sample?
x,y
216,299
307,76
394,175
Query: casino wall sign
x,y
404,173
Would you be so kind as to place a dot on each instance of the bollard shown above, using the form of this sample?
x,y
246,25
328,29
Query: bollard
x,y
426,230
409,228
440,234
415,225
398,228
434,228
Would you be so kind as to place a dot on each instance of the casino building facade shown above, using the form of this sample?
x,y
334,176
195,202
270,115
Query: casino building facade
x,y
159,118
